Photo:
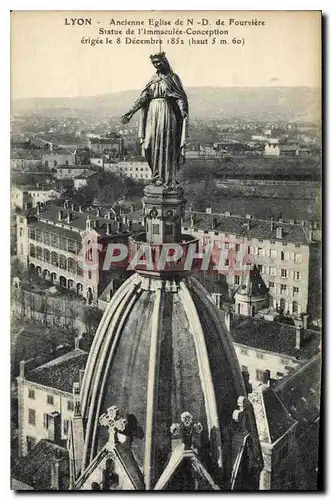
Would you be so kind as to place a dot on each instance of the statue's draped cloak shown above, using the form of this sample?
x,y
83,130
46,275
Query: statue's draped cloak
x,y
162,129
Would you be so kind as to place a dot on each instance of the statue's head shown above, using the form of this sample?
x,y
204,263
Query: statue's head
x,y
160,62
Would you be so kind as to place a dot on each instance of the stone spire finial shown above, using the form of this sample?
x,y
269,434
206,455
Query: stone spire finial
x,y
76,399
186,428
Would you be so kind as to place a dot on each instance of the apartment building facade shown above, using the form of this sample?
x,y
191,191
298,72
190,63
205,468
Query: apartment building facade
x,y
67,246
45,398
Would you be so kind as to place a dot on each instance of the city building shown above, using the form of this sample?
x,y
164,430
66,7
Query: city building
x,y
288,421
67,246
112,142
137,170
53,159
32,195
82,180
280,250
272,150
268,346
45,398
73,171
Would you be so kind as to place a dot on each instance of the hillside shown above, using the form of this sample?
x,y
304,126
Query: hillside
x,y
301,104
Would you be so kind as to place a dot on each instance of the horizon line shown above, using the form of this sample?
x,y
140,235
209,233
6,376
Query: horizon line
x,y
188,87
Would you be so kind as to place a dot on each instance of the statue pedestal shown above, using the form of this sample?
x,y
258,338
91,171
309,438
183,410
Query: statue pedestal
x,y
164,207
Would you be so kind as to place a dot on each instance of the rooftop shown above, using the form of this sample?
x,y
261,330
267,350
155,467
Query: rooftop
x,y
240,226
78,222
60,373
34,469
275,337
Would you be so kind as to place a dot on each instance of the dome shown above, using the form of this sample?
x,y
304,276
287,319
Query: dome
x,y
162,348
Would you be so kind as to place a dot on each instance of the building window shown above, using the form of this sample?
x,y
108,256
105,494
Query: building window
x,y
65,427
260,252
47,238
284,243
260,375
226,262
89,275
50,400
237,247
272,271
237,280
32,233
30,442
70,405
31,394
298,258
226,245
244,351
45,420
271,284
32,417
282,256
297,275
284,273
244,368
248,250
297,245
21,231
155,229
295,290
260,268
280,374
283,288
259,355
273,253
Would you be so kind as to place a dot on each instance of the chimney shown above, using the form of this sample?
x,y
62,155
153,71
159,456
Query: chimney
x,y
190,208
54,427
132,208
88,223
66,204
38,208
80,208
22,368
208,210
81,375
248,216
60,214
130,225
248,224
279,232
299,331
55,474
228,214
229,319
214,222
73,207
117,226
192,220
266,377
109,228
69,217
96,223
77,343
98,211
272,224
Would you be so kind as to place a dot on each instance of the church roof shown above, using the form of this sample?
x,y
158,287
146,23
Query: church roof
x,y
161,348
252,284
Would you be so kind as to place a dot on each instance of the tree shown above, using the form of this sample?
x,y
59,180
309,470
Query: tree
x,y
91,319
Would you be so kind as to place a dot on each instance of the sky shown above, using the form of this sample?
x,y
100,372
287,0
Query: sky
x,y
49,60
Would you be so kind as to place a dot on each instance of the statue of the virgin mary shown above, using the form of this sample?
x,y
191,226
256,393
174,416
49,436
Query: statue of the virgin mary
x,y
163,122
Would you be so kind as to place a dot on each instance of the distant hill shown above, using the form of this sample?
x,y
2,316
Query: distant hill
x,y
253,103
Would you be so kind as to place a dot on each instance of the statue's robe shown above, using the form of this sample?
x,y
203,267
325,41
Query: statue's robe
x,y
162,129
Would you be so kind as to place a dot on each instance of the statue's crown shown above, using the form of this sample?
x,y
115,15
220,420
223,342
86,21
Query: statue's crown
x,y
159,55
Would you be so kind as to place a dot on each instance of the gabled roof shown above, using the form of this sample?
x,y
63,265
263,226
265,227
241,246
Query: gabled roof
x,y
273,336
60,373
252,284
34,469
